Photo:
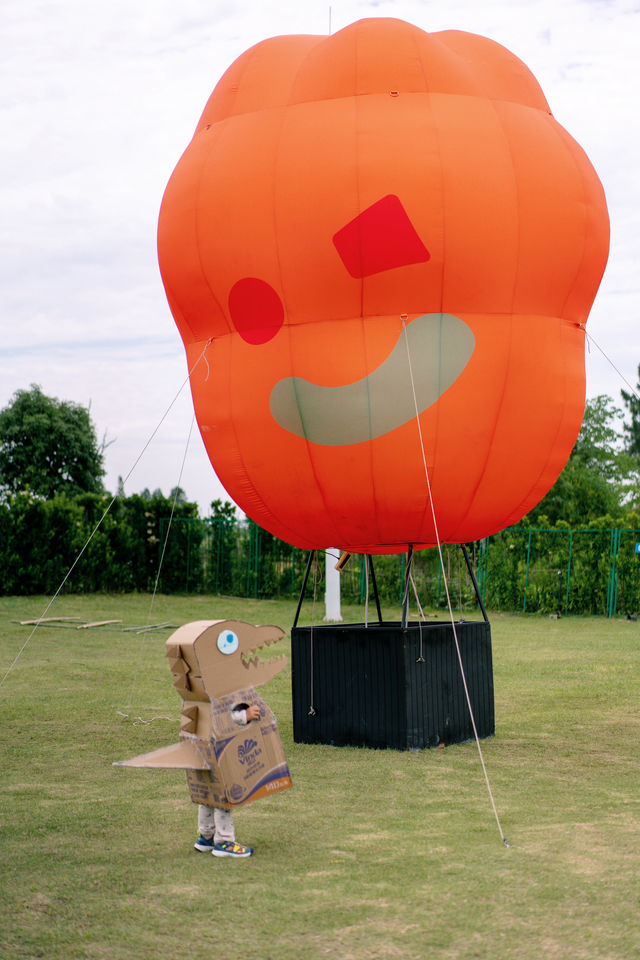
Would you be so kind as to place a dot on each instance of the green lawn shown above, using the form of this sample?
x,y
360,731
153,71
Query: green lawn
x,y
373,854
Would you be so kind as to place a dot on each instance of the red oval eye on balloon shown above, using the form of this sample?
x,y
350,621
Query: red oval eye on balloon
x,y
256,310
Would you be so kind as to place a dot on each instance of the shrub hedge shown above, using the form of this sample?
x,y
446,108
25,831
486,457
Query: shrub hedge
x,y
110,545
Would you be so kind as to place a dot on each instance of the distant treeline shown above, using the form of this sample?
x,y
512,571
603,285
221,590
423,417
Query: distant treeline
x,y
96,543
41,540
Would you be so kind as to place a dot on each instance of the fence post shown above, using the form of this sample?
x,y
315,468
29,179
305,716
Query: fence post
x,y
615,595
253,560
188,570
613,574
483,562
526,576
218,526
293,571
256,559
566,604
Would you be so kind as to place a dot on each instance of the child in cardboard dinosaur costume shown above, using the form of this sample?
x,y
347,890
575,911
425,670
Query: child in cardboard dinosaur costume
x,y
229,741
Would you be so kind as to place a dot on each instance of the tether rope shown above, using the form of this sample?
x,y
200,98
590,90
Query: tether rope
x,y
446,587
102,518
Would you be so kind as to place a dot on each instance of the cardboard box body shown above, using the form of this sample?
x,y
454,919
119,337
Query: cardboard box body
x,y
236,764
244,763
384,686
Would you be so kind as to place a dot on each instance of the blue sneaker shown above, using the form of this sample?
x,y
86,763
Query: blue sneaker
x,y
228,848
205,844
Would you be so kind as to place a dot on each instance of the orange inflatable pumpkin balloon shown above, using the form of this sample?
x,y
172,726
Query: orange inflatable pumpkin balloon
x,y
393,247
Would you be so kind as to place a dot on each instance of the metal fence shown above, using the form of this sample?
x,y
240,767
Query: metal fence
x,y
565,571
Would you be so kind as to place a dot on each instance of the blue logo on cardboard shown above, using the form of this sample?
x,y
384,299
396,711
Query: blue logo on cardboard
x,y
248,751
247,747
236,791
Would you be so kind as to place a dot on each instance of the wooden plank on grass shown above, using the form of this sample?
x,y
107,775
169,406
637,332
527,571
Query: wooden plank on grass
x,y
96,623
28,623
149,626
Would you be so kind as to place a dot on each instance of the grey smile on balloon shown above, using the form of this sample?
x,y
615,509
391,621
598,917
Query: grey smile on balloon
x,y
439,346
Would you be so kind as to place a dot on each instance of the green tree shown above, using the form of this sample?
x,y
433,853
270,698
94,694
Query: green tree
x,y
48,447
222,559
223,510
600,476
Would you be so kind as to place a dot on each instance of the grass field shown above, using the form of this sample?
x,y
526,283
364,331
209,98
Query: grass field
x,y
373,854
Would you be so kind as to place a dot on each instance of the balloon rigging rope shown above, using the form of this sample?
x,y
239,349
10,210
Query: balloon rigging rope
x,y
590,341
446,586
103,517
421,612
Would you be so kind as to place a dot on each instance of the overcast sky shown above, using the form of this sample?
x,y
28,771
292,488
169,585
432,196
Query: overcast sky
x,y
98,100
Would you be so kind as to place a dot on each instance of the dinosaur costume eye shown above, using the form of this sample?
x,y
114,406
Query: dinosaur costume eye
x,y
227,642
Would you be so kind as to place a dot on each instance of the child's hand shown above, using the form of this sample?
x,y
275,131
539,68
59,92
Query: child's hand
x,y
253,712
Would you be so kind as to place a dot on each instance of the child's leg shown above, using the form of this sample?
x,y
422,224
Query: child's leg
x,y
218,834
206,820
212,820
225,828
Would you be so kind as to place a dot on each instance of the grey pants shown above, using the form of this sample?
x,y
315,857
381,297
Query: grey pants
x,y
212,820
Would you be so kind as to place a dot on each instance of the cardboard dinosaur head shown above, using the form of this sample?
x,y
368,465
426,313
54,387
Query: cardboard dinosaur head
x,y
211,658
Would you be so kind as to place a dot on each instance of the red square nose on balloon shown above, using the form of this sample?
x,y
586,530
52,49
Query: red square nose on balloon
x,y
381,238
